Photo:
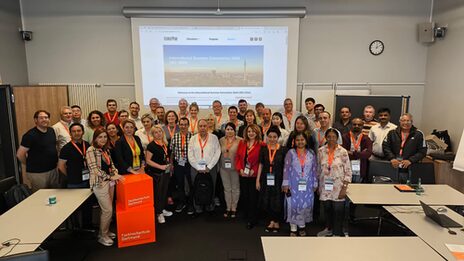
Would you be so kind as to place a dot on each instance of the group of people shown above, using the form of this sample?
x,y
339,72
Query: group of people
x,y
278,163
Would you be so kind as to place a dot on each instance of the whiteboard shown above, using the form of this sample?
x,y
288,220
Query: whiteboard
x,y
459,160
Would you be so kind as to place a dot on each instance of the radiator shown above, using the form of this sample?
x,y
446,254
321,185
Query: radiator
x,y
82,94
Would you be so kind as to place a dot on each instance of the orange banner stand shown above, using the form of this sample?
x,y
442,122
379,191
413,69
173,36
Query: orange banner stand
x,y
135,213
136,190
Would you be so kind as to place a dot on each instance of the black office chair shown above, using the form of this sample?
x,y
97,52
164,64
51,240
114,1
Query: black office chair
x,y
41,255
381,171
423,170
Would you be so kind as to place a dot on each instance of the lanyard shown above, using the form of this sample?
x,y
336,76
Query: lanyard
x,y
182,145
264,128
249,149
111,119
171,133
148,136
356,143
320,141
218,119
107,158
272,156
82,152
229,145
192,128
202,146
404,137
331,156
185,115
132,145
66,128
289,119
162,145
302,159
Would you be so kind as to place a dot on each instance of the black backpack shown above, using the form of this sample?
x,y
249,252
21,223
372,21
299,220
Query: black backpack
x,y
444,136
203,189
16,194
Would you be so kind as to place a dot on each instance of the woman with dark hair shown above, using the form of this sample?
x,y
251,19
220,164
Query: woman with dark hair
x,y
193,120
270,177
170,128
250,118
113,137
301,125
299,184
247,163
103,176
230,178
130,157
278,121
334,177
94,120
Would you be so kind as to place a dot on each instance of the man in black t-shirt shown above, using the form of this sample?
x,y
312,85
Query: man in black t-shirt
x,y
72,159
38,152
72,163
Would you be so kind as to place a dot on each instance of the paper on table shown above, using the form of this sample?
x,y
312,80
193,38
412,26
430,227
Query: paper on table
x,y
456,250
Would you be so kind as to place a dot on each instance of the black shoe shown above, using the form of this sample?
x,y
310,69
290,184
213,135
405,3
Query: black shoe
x,y
180,207
190,210
250,225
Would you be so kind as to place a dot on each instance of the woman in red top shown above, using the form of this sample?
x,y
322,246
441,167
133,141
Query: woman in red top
x,y
247,163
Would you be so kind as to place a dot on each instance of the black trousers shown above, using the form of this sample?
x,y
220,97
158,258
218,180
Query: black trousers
x,y
160,190
182,173
334,212
249,199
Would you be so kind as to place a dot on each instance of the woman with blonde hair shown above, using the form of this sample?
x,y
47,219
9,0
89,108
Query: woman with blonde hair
x,y
159,167
144,133
193,119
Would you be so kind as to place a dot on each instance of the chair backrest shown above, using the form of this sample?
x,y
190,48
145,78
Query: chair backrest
x,y
381,168
423,170
28,256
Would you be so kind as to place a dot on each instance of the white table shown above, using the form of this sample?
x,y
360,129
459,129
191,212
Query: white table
x,y
347,248
387,194
433,234
33,220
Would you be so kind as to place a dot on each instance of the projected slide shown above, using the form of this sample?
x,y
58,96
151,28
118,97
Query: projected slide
x,y
205,63
208,66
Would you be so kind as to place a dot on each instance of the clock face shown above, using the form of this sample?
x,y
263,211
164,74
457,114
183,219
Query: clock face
x,y
376,47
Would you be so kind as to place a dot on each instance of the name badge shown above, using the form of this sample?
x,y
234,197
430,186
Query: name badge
x,y
301,185
270,179
356,167
85,174
227,163
202,165
328,184
168,169
181,162
246,171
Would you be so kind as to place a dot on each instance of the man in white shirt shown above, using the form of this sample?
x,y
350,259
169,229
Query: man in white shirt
x,y
309,104
289,114
134,109
378,133
61,128
203,154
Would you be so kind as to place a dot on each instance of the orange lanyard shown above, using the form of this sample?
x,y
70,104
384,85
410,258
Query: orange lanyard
x,y
182,146
229,145
331,156
66,128
403,141
107,158
289,119
192,128
249,149
132,145
321,141
264,128
202,145
272,156
82,152
185,115
357,143
302,159
111,119
171,133
218,119
148,136
162,145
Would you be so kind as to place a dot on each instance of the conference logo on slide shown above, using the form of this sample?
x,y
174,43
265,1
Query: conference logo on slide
x,y
213,66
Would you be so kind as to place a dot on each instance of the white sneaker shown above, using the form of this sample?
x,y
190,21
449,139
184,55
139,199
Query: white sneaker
x,y
106,241
161,219
111,235
167,213
325,233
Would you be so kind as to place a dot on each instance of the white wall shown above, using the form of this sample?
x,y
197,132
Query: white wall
x,y
13,67
90,41
444,91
